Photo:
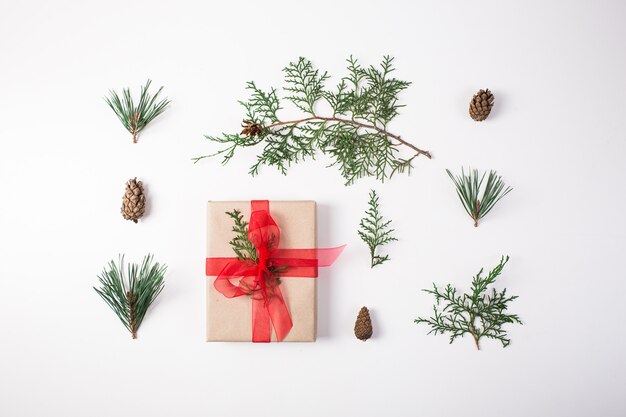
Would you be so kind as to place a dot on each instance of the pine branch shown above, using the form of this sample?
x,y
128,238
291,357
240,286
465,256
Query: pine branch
x,y
478,313
136,117
375,231
130,295
468,188
354,136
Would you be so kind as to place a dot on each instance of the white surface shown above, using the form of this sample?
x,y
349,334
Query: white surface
x,y
556,135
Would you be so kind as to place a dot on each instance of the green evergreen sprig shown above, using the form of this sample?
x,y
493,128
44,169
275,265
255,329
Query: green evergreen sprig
x,y
354,135
478,313
130,294
468,188
246,251
375,231
241,245
136,117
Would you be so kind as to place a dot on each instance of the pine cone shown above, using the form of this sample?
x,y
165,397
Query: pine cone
x,y
363,325
134,202
251,129
481,105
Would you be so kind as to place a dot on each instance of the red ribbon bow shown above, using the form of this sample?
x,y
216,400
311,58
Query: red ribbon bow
x,y
260,279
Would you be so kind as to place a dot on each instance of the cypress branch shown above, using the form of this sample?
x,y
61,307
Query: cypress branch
x,y
375,231
354,135
477,313
241,245
246,251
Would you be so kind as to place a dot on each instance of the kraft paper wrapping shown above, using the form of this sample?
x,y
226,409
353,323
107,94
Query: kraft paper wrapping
x,y
230,319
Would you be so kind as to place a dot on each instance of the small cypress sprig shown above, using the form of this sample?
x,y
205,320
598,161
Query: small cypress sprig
x,y
477,313
354,134
136,117
375,231
243,248
468,188
130,294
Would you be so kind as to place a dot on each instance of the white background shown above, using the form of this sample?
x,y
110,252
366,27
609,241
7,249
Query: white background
x,y
556,135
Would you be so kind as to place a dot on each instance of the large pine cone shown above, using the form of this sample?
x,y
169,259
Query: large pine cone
x,y
363,325
134,202
481,105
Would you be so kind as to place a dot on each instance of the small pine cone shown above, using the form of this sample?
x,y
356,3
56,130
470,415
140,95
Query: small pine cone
x,y
363,325
251,129
481,105
134,202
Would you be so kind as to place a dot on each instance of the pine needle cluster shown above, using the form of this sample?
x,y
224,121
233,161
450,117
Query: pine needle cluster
x,y
136,117
468,188
130,294
478,313
375,231
354,134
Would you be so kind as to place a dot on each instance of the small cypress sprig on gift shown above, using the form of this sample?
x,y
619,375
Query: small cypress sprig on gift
x,y
243,248
477,313
354,134
468,188
136,117
375,231
130,294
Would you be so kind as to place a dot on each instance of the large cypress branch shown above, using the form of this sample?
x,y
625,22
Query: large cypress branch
x,y
354,136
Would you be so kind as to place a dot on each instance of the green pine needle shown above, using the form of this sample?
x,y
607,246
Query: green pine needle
x,y
477,313
354,134
468,188
136,117
130,294
375,231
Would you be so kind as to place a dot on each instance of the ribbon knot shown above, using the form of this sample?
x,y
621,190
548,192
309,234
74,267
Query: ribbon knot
x,y
259,278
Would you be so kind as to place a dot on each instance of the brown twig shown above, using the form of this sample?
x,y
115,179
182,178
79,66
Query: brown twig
x,y
354,123
132,299
476,213
476,340
133,127
473,332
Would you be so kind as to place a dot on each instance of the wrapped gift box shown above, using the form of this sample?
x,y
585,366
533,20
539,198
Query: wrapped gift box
x,y
229,319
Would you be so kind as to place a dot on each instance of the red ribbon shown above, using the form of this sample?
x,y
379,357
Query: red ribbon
x,y
259,279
